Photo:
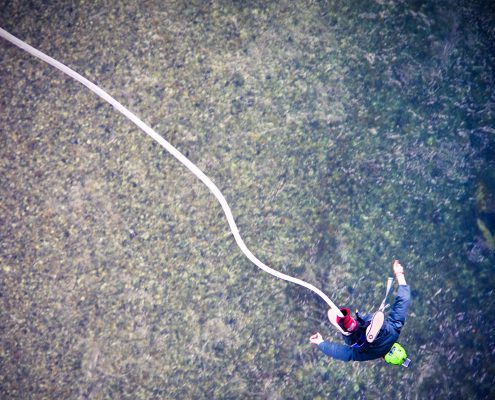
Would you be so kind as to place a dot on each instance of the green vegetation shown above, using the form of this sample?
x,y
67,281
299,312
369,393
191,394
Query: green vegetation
x,y
343,135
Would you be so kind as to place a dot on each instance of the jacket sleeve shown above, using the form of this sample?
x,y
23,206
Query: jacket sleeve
x,y
337,351
397,316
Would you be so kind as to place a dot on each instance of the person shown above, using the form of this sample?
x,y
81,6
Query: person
x,y
357,348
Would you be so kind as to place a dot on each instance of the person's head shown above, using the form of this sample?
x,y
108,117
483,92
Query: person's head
x,y
346,322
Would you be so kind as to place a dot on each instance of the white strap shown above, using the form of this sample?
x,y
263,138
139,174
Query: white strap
x,y
176,153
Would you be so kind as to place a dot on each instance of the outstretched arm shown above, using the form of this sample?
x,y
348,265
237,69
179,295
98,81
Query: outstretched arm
x,y
337,351
397,316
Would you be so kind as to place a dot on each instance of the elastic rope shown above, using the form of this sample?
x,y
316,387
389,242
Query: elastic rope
x,y
176,153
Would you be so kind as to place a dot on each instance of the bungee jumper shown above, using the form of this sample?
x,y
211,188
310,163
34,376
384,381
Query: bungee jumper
x,y
371,336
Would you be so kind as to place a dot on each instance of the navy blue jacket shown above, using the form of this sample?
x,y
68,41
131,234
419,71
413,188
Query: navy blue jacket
x,y
388,335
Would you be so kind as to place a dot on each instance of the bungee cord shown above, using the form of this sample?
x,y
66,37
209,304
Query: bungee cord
x,y
177,154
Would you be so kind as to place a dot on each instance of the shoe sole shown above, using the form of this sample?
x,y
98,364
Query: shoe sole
x,y
375,326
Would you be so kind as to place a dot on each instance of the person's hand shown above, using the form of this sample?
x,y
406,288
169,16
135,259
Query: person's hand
x,y
399,272
398,269
316,338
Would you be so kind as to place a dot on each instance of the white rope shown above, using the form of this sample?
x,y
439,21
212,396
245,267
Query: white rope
x,y
176,153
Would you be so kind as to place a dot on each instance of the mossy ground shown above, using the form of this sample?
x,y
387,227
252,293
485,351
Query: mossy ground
x,y
343,135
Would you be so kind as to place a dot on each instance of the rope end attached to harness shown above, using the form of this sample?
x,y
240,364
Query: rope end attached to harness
x,y
332,317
